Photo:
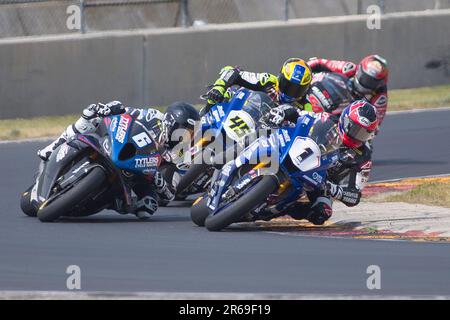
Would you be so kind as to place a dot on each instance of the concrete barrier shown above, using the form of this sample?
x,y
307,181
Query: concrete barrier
x,y
53,76
61,74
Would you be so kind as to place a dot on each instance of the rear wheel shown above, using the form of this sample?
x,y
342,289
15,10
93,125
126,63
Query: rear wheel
x,y
199,212
67,201
25,203
243,205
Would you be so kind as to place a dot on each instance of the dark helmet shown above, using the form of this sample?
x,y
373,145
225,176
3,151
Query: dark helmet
x,y
179,115
371,74
358,123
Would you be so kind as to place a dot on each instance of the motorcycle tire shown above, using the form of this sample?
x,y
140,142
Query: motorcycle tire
x,y
25,203
64,203
248,201
199,212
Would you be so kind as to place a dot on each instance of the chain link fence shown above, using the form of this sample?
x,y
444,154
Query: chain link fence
x,y
40,17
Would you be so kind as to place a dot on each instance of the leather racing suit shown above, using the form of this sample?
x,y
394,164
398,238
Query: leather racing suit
x,y
148,189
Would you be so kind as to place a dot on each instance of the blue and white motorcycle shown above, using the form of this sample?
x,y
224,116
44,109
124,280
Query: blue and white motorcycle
x,y
95,171
224,127
271,174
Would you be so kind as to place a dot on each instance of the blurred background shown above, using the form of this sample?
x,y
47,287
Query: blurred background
x,y
154,52
37,17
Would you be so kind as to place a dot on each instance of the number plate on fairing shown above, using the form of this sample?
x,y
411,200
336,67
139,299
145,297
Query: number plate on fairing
x,y
305,154
238,125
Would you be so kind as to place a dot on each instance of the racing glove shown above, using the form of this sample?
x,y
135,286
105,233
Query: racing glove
x,y
276,116
228,77
347,195
216,94
103,110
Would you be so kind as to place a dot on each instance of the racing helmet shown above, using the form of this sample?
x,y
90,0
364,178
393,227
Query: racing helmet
x,y
179,115
371,74
294,80
358,123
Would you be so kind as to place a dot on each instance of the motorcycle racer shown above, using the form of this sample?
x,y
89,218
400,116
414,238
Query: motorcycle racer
x,y
355,127
368,79
289,86
178,115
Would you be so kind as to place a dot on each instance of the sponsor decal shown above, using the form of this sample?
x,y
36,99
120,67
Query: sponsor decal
x,y
310,180
381,101
240,95
106,146
364,121
348,67
264,78
298,73
317,77
147,162
113,125
249,77
286,136
253,174
62,152
243,183
317,177
148,171
321,96
80,167
281,140
226,170
306,120
122,129
220,110
216,115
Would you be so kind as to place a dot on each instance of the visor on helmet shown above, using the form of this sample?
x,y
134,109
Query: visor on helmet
x,y
355,131
288,88
366,83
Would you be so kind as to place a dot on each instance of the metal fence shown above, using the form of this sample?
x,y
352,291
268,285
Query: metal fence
x,y
36,17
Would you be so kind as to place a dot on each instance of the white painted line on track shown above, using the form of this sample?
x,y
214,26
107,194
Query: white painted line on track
x,y
97,295
418,110
43,139
417,177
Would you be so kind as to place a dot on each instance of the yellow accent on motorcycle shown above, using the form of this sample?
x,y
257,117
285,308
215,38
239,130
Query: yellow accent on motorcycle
x,y
259,166
43,205
283,187
197,200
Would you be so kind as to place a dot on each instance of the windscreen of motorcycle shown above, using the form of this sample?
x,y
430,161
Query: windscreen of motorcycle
x,y
240,123
323,138
325,134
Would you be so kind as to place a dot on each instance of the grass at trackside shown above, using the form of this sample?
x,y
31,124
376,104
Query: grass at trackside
x,y
405,99
35,127
430,193
427,97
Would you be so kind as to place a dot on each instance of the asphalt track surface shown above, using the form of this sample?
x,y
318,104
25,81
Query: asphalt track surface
x,y
169,254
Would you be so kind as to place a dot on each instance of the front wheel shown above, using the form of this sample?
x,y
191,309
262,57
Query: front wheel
x,y
67,201
247,202
199,212
25,203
